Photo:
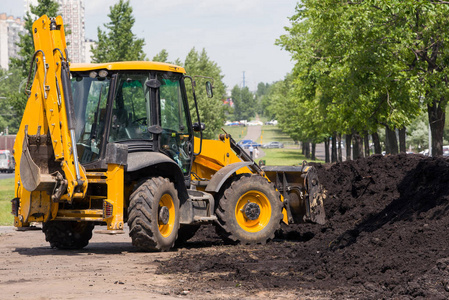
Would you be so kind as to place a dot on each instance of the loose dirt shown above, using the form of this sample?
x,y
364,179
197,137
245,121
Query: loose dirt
x,y
385,238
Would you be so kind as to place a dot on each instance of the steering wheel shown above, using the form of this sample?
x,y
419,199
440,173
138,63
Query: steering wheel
x,y
140,120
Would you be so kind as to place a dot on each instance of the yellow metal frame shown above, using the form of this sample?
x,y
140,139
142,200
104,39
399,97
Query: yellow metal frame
x,y
114,179
128,65
216,154
46,110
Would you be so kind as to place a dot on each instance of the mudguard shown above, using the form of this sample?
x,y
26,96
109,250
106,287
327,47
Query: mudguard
x,y
220,177
139,160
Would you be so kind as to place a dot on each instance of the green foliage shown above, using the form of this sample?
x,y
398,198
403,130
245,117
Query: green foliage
x,y
361,65
161,56
211,109
262,99
118,43
244,103
12,103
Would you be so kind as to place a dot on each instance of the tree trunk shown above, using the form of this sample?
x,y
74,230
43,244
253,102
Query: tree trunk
x,y
326,150
339,154
387,142
307,150
348,146
391,142
334,147
402,144
303,148
376,141
313,151
437,116
357,148
366,144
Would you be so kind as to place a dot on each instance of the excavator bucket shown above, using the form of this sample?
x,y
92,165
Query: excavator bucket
x,y
35,172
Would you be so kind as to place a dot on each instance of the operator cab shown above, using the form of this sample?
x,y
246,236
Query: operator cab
x,y
145,109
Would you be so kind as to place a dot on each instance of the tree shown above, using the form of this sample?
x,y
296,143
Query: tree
x,y
12,103
211,109
118,43
261,97
161,56
371,64
244,103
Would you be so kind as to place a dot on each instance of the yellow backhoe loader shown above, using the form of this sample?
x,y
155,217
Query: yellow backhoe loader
x,y
109,143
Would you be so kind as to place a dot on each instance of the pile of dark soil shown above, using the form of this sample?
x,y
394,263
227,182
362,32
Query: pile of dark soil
x,y
386,236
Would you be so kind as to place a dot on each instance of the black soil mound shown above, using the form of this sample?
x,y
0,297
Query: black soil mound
x,y
386,236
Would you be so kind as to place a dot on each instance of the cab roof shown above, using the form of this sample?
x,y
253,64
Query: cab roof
x,y
127,65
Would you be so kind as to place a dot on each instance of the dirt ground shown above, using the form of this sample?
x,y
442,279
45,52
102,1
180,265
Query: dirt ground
x,y
385,238
111,268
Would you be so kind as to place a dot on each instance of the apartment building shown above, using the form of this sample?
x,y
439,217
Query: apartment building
x,y
10,27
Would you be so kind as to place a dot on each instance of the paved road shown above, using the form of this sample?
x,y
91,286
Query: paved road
x,y
253,133
6,175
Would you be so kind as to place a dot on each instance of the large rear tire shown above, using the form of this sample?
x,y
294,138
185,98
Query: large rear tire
x,y
249,211
68,235
153,215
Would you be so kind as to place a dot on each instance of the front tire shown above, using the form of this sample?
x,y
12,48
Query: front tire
x,y
249,211
68,235
154,215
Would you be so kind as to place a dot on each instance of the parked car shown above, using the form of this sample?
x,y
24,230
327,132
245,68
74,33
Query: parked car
x,y
243,142
272,122
273,145
229,123
255,123
425,152
254,144
7,163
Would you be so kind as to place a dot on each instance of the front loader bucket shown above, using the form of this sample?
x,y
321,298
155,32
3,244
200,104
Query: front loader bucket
x,y
316,196
302,193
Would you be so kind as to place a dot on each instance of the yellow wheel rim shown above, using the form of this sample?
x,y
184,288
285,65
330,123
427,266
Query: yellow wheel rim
x,y
260,220
166,229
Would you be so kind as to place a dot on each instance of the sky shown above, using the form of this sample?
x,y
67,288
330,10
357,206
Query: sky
x,y
238,35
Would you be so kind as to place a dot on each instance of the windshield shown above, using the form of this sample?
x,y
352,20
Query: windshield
x,y
90,96
131,109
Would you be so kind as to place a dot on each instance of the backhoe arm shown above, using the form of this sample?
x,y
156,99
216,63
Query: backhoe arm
x,y
45,148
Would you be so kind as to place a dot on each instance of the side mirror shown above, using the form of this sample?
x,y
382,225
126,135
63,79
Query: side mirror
x,y
197,127
209,88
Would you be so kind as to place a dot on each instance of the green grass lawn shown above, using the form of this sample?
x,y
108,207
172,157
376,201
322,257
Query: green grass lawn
x,y
284,157
237,132
6,195
272,133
